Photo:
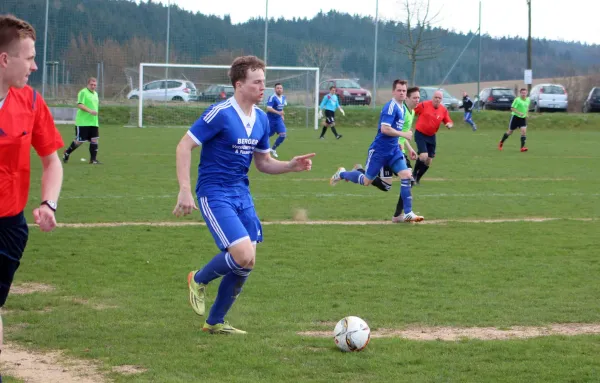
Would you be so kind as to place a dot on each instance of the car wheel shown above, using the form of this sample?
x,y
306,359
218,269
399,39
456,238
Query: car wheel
x,y
134,98
486,107
177,98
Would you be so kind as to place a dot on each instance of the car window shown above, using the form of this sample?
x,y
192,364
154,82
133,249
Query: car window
x,y
323,85
190,85
153,85
173,84
502,92
348,84
424,94
596,92
446,94
229,89
554,89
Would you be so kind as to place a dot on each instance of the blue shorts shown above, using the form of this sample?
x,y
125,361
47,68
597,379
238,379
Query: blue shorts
x,y
276,127
13,239
230,219
375,161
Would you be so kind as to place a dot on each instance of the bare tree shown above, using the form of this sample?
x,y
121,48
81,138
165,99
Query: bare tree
x,y
419,41
318,55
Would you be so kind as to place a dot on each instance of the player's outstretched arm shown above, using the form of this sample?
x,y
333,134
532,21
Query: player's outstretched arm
x,y
267,164
185,200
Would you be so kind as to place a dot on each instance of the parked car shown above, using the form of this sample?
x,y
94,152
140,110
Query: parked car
x,y
449,101
496,98
349,92
592,103
216,93
548,96
166,90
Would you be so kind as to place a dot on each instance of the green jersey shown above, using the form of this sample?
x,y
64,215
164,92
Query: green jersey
x,y
521,105
409,116
89,99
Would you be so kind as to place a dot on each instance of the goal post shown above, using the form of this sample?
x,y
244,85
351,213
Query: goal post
x,y
176,94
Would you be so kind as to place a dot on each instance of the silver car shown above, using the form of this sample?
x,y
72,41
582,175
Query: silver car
x,y
549,97
166,90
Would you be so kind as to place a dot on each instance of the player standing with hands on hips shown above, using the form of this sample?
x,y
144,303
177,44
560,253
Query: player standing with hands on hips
x,y
330,103
25,121
231,133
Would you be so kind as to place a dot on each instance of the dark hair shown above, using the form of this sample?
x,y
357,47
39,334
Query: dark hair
x,y
332,87
277,83
412,90
523,89
241,65
11,29
398,82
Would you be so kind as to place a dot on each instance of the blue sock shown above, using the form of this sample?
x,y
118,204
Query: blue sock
x,y
354,176
222,264
229,289
406,195
278,141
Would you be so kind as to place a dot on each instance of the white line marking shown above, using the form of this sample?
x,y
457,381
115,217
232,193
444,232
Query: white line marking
x,y
340,223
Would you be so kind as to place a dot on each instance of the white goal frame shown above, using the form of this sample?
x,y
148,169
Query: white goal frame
x,y
200,66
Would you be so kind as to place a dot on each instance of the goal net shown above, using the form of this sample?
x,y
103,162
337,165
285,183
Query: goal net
x,y
175,95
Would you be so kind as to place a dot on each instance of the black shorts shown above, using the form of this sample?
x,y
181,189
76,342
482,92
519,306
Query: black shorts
x,y
517,122
13,239
425,144
330,117
86,133
387,172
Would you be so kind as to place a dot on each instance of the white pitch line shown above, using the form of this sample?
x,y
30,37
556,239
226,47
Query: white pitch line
x,y
340,223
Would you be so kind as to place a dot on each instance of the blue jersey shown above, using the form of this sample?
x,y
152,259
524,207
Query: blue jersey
x,y
330,102
392,114
228,138
276,103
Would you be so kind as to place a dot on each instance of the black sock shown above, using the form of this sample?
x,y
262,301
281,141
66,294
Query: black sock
x,y
504,137
334,131
324,131
381,184
71,148
417,168
424,169
93,151
523,138
399,207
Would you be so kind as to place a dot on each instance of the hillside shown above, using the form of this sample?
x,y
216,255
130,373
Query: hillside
x,y
122,33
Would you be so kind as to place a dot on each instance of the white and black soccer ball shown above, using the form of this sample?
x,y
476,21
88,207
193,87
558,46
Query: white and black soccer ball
x,y
351,334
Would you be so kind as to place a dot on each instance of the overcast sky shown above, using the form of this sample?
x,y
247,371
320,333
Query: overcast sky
x,y
571,20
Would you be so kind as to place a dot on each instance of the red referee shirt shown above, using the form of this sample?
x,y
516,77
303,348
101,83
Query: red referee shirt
x,y
23,123
430,118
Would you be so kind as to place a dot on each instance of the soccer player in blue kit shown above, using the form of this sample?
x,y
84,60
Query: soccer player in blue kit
x,y
275,114
385,151
231,134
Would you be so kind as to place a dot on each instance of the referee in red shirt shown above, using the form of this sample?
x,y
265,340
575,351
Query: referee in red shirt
x,y
431,114
25,121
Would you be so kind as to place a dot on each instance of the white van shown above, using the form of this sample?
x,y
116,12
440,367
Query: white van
x,y
549,96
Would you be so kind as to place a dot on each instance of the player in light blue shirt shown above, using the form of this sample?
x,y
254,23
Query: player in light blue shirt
x,y
275,114
385,151
231,133
330,103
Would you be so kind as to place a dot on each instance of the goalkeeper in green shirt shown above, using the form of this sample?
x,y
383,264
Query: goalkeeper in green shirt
x,y
518,119
86,122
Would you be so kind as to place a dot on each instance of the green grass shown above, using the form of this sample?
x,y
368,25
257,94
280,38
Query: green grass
x,y
456,274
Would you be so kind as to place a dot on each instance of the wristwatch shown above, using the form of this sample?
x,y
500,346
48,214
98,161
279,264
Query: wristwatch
x,y
51,204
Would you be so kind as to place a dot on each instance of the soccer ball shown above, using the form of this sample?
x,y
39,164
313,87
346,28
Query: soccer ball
x,y
351,334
